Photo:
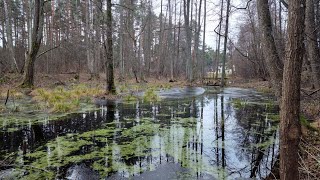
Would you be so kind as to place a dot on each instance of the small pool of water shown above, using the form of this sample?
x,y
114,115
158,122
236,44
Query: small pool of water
x,y
225,135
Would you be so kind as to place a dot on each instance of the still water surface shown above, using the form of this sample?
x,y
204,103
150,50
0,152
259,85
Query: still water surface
x,y
221,134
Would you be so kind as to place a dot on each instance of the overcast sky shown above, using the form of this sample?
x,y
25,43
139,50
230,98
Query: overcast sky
x,y
213,14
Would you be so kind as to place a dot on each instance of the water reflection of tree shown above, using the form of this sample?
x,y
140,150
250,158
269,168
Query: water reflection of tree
x,y
255,134
174,142
219,120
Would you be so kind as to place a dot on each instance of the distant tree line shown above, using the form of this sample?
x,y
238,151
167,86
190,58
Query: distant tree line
x,y
74,37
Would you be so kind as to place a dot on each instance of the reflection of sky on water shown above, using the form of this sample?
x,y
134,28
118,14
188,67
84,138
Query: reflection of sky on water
x,y
205,136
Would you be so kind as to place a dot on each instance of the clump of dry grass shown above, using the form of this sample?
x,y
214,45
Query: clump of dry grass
x,y
15,93
62,99
310,157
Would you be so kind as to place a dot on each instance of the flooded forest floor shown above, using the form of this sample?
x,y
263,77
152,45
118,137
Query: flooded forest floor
x,y
61,95
310,140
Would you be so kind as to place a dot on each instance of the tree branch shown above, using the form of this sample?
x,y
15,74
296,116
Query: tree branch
x,y
284,3
48,51
122,6
243,8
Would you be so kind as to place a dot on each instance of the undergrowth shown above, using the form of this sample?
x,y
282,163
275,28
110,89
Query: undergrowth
x,y
15,93
62,99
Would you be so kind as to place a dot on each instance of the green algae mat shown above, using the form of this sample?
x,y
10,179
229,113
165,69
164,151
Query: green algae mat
x,y
227,134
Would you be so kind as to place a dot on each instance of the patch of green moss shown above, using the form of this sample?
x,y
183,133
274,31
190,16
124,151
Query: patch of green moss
x,y
100,133
143,129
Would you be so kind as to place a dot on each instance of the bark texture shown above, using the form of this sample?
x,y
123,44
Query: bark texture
x,y
224,59
290,130
37,32
109,63
271,56
188,40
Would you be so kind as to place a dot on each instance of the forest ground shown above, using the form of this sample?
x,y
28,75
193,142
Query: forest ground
x,y
310,106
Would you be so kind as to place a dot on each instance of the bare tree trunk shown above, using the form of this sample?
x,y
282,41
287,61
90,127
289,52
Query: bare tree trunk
x,y
160,50
170,45
204,39
188,40
290,129
3,37
312,46
7,11
179,32
219,40
224,58
121,44
30,17
97,49
109,63
88,38
37,30
271,56
150,38
197,40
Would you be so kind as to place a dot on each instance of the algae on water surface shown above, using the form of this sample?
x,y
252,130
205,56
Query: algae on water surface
x,y
205,135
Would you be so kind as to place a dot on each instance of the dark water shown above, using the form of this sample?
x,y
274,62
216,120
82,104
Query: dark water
x,y
226,135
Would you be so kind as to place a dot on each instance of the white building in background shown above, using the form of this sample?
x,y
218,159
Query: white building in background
x,y
228,71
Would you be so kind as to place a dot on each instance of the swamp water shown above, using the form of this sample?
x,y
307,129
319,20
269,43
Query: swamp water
x,y
224,134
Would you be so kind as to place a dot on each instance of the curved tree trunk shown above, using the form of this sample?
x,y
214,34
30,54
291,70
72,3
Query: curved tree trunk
x,y
37,31
274,65
290,130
